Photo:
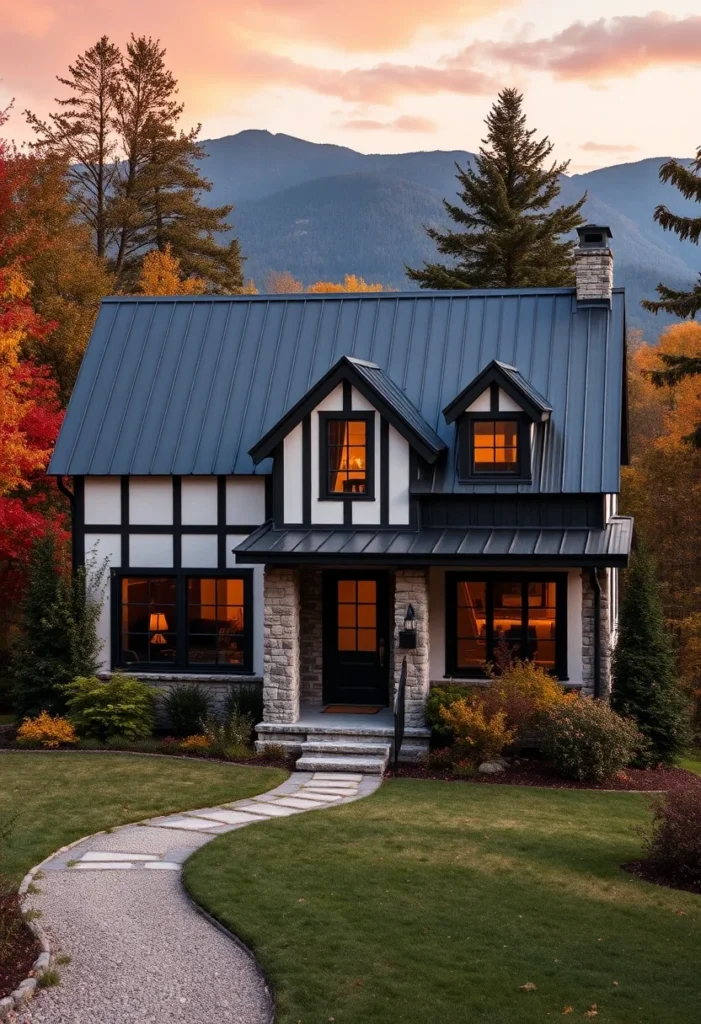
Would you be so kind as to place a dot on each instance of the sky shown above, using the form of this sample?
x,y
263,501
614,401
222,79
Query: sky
x,y
608,81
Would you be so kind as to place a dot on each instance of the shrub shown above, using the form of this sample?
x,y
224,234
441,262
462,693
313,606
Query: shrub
x,y
45,731
443,697
187,705
674,845
245,700
586,740
523,691
123,706
230,740
197,744
645,686
478,736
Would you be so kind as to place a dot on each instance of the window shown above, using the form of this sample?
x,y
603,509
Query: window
x,y
525,615
346,459
185,622
494,446
357,615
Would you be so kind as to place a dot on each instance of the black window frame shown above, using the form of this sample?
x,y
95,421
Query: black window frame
x,y
181,630
466,448
452,579
324,419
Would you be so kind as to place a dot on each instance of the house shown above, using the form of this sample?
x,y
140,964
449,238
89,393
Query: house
x,y
322,492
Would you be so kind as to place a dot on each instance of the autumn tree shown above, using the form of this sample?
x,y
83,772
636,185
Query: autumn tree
x,y
161,274
510,233
351,283
158,193
81,131
281,282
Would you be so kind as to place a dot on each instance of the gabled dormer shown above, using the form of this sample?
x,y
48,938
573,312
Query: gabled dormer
x,y
497,415
344,455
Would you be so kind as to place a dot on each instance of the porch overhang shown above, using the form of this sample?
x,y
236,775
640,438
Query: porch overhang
x,y
496,548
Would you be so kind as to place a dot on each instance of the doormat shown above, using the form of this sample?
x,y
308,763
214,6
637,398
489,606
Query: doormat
x,y
351,709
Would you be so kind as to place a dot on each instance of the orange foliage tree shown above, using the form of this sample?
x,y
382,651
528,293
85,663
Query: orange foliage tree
x,y
161,274
351,283
662,487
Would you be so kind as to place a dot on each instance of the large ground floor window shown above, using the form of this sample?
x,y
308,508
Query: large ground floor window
x,y
184,621
525,614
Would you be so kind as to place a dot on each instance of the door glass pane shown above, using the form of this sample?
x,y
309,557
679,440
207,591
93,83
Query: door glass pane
x,y
346,615
346,640
367,615
346,590
356,615
367,591
366,640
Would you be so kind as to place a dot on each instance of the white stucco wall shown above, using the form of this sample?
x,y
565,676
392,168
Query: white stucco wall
x,y
103,500
151,500
245,500
105,546
398,478
292,476
199,500
328,512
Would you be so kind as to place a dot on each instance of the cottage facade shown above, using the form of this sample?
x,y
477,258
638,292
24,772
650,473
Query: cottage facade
x,y
322,492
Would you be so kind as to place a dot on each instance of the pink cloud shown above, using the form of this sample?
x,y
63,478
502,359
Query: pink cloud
x,y
606,48
608,147
404,123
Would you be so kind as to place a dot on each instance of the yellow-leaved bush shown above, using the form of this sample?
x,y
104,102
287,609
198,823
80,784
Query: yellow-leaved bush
x,y
197,744
479,736
45,731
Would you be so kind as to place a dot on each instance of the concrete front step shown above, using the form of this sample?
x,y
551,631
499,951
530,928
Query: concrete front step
x,y
341,746
363,764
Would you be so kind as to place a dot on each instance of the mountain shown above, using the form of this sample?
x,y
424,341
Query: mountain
x,y
321,211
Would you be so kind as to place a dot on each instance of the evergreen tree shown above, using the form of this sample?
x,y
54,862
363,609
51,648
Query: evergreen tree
x,y
58,634
81,132
159,186
682,304
510,234
645,687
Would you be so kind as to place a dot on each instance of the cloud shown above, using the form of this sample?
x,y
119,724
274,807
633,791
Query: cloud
x,y
608,147
404,123
607,48
382,83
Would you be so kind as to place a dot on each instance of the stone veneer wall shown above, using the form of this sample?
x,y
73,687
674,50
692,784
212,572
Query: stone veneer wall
x,y
411,587
311,639
593,273
281,632
588,634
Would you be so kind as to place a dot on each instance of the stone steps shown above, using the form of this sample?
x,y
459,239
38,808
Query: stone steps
x,y
343,746
365,764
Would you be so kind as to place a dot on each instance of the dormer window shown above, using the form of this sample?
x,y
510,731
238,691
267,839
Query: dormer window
x,y
495,446
346,458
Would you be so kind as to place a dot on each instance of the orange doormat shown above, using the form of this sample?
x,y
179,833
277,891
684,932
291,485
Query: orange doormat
x,y
351,709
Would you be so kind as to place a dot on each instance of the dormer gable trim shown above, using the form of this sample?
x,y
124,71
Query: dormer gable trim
x,y
378,389
509,379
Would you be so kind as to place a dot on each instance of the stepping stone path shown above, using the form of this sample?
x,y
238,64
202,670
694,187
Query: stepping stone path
x,y
140,952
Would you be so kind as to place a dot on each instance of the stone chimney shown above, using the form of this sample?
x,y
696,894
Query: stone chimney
x,y
593,265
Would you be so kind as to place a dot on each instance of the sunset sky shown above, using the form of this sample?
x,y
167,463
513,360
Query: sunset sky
x,y
608,80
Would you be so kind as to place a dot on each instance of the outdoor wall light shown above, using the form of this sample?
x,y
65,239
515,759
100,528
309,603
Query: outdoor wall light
x,y
407,636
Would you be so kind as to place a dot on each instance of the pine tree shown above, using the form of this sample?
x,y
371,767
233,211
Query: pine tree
x,y
645,687
511,235
81,132
159,187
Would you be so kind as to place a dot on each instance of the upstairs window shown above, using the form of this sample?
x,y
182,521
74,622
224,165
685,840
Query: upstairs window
x,y
346,458
495,446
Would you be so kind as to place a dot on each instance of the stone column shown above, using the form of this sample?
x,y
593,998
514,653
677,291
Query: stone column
x,y
588,634
311,638
411,587
281,674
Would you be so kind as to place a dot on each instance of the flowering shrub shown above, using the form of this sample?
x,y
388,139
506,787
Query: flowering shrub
x,y
123,706
478,735
674,845
586,740
45,731
196,744
524,692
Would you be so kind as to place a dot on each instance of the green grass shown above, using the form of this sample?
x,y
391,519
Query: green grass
x,y
53,799
435,902
692,763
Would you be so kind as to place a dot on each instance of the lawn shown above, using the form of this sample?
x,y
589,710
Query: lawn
x,y
692,763
53,799
435,901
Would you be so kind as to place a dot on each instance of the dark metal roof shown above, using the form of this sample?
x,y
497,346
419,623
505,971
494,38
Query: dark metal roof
x,y
610,546
378,389
516,386
187,385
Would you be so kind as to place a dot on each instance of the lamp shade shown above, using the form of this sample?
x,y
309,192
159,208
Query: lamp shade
x,y
157,622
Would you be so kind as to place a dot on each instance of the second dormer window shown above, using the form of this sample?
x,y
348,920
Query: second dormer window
x,y
495,446
346,457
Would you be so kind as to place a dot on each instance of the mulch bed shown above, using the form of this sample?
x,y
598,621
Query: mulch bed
x,y
540,774
18,947
653,873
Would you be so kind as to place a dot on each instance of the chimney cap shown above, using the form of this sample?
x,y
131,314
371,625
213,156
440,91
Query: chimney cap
x,y
594,236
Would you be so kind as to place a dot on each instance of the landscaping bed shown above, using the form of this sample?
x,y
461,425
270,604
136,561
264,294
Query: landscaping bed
x,y
18,947
539,773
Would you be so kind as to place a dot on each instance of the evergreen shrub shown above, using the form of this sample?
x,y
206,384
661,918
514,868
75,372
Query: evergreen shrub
x,y
120,707
674,844
188,706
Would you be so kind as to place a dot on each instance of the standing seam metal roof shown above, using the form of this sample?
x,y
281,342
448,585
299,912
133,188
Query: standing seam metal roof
x,y
187,385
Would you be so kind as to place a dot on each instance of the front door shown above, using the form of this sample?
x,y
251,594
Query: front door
x,y
356,638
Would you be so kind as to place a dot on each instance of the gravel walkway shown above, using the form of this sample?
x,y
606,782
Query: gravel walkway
x,y
140,952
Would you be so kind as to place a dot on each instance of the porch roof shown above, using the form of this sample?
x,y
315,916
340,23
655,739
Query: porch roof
x,y
494,547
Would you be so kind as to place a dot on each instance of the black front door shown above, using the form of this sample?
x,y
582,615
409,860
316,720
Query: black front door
x,y
356,638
